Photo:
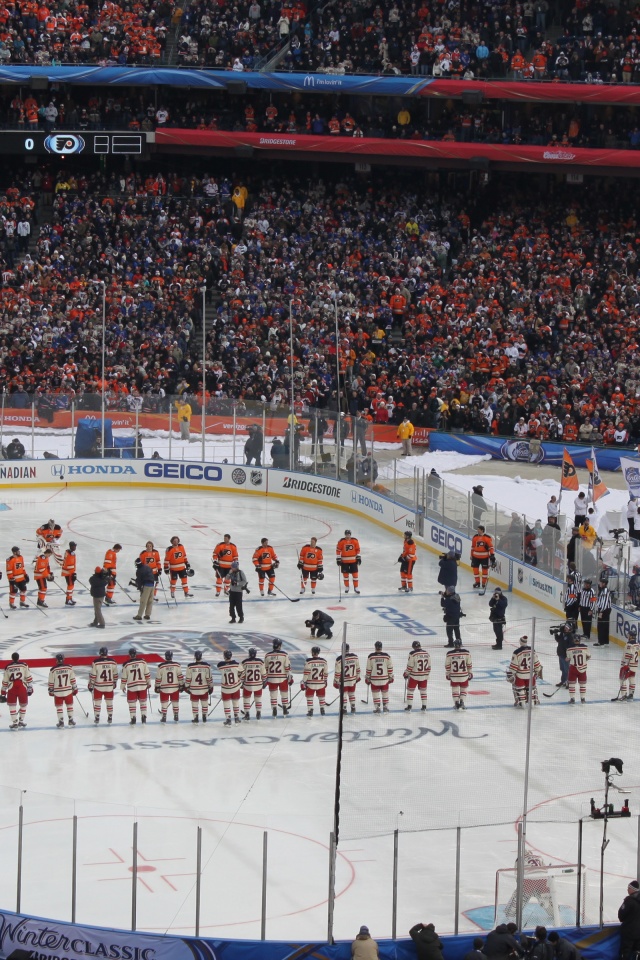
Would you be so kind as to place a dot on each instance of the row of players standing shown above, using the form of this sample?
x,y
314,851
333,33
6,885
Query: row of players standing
x,y
241,682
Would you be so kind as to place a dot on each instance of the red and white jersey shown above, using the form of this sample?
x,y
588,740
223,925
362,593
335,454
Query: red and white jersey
x,y
630,657
198,678
16,673
253,673
418,665
169,677
231,676
135,675
315,673
379,669
520,665
277,666
62,680
458,665
351,670
578,655
103,675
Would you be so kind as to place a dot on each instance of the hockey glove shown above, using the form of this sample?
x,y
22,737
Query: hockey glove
x,y
51,693
74,577
166,569
303,685
367,681
320,575
74,691
181,687
89,687
320,570
3,699
299,566
359,561
290,680
29,691
339,562
276,564
405,676
399,560
26,578
336,684
156,689
187,566
51,578
470,676
308,623
492,563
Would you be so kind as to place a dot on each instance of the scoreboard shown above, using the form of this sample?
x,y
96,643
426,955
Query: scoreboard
x,y
72,144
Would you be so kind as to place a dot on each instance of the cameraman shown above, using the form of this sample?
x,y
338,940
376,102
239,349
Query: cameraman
x,y
565,637
497,616
450,603
448,575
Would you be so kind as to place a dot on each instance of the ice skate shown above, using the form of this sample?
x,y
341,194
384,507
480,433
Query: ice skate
x,y
72,722
69,603
572,700
132,721
376,709
163,719
14,725
60,724
258,715
109,603
407,709
143,718
204,718
227,722
96,719
463,705
310,713
285,711
41,603
247,715
353,709
274,711
583,699
109,719
195,720
355,590
322,711
237,720
22,724
424,707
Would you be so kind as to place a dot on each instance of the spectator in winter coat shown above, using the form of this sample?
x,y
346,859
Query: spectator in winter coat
x,y
629,917
364,947
563,949
427,941
478,505
15,450
448,575
501,944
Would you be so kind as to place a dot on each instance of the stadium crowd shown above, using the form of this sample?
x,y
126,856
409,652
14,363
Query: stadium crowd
x,y
581,125
495,310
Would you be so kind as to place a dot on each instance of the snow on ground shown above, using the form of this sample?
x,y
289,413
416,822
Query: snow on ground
x,y
439,460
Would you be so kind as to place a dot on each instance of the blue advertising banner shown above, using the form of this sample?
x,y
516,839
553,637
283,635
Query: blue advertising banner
x,y
523,451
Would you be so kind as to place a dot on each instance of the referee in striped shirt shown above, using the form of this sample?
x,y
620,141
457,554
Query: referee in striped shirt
x,y
588,600
603,610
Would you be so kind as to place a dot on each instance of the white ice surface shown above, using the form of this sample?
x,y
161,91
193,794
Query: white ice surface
x,y
279,774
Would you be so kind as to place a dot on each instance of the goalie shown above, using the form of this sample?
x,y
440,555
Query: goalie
x,y
519,674
533,888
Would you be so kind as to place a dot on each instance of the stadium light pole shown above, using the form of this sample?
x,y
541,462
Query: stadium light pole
x,y
103,284
204,365
291,442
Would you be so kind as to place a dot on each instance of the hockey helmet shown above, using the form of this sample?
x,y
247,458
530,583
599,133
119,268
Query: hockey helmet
x,y
457,642
227,654
198,654
103,652
416,645
60,657
15,549
315,651
137,561
133,653
253,652
168,655
15,657
72,544
407,534
277,644
347,533
378,644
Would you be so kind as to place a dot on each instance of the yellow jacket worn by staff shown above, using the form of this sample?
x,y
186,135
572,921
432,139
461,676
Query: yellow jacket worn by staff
x,y
184,410
405,430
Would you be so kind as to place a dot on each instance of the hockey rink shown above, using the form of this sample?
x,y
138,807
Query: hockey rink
x,y
424,773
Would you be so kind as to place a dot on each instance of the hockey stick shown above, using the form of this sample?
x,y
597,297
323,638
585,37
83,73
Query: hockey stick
x,y
126,593
331,703
367,700
290,599
214,706
291,701
340,582
557,690
3,614
32,604
80,705
618,697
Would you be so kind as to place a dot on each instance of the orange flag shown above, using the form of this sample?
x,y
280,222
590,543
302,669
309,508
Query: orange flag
x,y
597,488
569,476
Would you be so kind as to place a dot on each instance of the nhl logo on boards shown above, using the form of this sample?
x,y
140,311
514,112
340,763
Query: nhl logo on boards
x,y
239,476
256,478
520,575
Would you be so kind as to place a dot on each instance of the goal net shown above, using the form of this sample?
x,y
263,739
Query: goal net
x,y
554,896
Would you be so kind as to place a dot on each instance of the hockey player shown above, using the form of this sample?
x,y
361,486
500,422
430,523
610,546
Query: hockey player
x,y
135,680
177,565
63,687
379,675
103,680
348,559
279,677
151,557
198,683
458,671
42,574
629,668
254,678
17,687
534,886
266,563
417,674
310,565
230,684
351,673
314,680
451,609
224,553
320,624
407,561
169,685
18,579
587,603
110,563
49,535
577,658
482,555
519,674
69,573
